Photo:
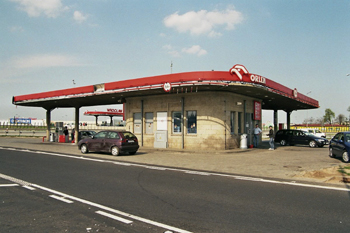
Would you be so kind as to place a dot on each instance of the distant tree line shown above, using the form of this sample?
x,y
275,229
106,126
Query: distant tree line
x,y
329,118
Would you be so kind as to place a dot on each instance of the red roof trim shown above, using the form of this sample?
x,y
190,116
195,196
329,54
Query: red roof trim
x,y
196,78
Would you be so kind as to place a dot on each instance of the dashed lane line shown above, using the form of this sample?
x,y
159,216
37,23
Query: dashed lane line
x,y
126,221
61,196
8,185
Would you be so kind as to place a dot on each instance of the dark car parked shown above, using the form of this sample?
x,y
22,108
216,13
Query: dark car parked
x,y
295,136
110,141
339,146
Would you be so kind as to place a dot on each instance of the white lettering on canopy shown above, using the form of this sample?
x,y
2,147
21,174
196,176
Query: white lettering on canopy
x,y
257,79
114,110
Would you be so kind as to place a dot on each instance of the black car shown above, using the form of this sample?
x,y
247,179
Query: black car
x,y
295,136
112,141
339,146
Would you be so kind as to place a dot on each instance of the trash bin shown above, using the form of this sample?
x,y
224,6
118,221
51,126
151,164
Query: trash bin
x,y
52,137
244,141
62,138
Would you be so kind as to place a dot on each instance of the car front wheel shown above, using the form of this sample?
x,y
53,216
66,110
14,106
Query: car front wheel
x,y
283,142
312,143
346,158
84,149
115,151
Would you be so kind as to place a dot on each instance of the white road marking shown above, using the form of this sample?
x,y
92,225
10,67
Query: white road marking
x,y
126,221
61,199
28,187
8,185
293,183
106,208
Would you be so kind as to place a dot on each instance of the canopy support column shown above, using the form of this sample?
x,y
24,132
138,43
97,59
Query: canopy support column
x,y
288,119
182,122
48,124
96,120
275,120
76,126
142,122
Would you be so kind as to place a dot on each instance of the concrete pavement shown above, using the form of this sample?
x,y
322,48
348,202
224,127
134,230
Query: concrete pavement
x,y
298,163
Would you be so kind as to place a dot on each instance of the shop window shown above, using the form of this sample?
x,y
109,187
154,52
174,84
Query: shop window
x,y
137,122
149,122
232,119
192,122
239,125
176,122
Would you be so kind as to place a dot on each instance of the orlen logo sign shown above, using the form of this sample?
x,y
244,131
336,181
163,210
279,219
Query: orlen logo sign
x,y
241,71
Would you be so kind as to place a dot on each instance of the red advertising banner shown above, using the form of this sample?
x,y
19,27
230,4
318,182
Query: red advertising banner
x,y
257,111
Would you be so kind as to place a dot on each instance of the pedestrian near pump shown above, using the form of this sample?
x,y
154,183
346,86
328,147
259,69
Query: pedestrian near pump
x,y
257,132
272,140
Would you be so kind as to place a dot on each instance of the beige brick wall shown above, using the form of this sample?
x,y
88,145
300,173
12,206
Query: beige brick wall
x,y
213,118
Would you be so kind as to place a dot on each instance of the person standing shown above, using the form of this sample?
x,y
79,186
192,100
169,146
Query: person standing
x,y
73,134
65,131
257,132
272,139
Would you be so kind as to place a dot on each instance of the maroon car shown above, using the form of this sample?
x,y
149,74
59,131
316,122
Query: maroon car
x,y
112,141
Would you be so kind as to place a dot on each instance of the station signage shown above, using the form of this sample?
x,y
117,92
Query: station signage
x,y
243,75
257,111
20,121
167,87
114,110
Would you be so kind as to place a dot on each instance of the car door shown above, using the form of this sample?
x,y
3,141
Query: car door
x,y
111,139
337,144
298,137
96,144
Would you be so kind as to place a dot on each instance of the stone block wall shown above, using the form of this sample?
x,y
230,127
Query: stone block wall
x,y
213,118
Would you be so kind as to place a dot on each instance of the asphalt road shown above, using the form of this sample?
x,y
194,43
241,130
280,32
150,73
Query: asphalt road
x,y
145,198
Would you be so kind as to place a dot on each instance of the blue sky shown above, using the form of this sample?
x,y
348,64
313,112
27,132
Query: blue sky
x,y
45,45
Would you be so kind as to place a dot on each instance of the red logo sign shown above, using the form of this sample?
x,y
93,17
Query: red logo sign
x,y
167,87
239,70
257,111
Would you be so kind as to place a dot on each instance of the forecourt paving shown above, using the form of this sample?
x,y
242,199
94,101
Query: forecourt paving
x,y
288,162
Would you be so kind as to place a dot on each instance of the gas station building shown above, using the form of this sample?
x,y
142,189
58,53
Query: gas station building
x,y
192,110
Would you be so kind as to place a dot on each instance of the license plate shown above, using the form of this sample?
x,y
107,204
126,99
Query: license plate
x,y
131,141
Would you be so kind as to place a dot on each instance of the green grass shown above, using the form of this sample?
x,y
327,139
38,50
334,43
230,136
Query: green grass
x,y
344,170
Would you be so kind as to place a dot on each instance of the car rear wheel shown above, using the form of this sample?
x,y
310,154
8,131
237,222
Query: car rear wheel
x,y
346,158
283,142
84,149
115,151
331,152
312,143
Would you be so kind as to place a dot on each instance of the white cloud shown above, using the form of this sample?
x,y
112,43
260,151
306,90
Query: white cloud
x,y
44,61
204,22
196,50
16,29
79,17
35,8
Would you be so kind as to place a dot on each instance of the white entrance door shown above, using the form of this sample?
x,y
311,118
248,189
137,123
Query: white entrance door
x,y
162,121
